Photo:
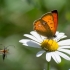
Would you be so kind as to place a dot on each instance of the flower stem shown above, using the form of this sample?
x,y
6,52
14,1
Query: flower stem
x,y
48,65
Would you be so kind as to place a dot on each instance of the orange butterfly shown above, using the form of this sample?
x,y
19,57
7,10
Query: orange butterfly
x,y
47,24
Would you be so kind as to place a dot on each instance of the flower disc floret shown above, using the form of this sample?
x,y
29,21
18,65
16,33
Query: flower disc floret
x,y
49,45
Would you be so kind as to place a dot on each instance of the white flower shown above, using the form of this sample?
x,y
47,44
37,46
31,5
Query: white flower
x,y
55,48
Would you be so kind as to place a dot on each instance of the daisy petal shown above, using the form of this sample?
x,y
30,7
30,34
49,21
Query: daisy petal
x,y
64,36
25,44
43,37
31,37
39,53
36,35
64,47
48,56
30,43
64,42
63,55
57,32
57,39
56,57
60,36
64,50
24,40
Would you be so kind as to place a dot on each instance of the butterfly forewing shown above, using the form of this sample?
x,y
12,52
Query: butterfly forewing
x,y
55,16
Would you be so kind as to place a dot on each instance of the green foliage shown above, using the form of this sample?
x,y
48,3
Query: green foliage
x,y
16,19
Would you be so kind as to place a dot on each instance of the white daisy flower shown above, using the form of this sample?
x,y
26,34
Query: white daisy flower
x,y
55,48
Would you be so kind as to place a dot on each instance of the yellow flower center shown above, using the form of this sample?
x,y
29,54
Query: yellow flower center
x,y
49,45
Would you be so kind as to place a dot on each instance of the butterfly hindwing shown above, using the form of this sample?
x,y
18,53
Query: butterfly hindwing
x,y
48,18
42,27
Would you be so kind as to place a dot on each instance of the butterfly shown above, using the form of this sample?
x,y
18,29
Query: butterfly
x,y
47,24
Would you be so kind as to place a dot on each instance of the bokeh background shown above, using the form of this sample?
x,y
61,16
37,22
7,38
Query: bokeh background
x,y
16,19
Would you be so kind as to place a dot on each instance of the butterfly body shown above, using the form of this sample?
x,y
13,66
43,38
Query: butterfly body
x,y
47,24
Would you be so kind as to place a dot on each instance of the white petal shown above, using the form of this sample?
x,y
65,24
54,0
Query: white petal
x,y
63,36
43,37
63,55
60,36
30,43
48,56
64,42
56,57
39,53
36,35
57,39
57,32
31,37
24,40
64,47
64,50
25,44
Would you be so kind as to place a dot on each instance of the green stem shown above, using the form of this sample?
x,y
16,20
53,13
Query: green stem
x,y
48,65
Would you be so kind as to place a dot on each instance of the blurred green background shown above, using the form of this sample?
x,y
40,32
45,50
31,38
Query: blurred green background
x,y
16,19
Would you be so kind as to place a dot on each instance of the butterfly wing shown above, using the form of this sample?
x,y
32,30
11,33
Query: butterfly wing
x,y
55,16
42,27
51,19
47,24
